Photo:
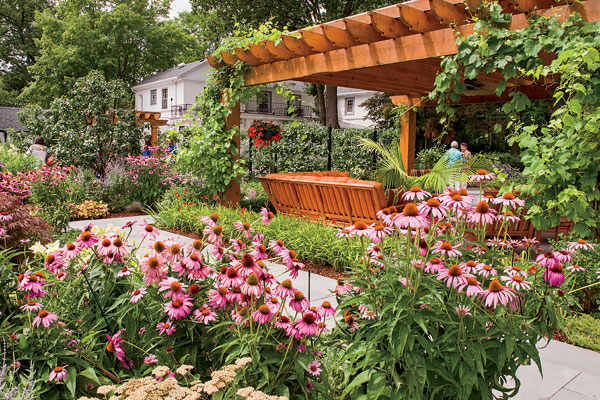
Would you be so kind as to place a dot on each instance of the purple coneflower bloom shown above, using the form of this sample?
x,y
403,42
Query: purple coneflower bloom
x,y
263,314
415,192
410,217
137,294
454,276
31,306
87,240
547,260
575,268
463,310
148,230
581,245
446,248
267,216
252,287
482,215
178,309
45,318
150,359
175,290
509,199
307,325
516,281
165,327
434,207
58,374
313,368
299,302
482,175
325,310
486,270
554,276
496,293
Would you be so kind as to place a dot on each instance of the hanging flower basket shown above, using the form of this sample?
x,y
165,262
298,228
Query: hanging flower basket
x,y
263,133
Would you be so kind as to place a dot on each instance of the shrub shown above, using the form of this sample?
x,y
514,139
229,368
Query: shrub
x,y
119,313
583,330
17,225
89,209
426,158
14,161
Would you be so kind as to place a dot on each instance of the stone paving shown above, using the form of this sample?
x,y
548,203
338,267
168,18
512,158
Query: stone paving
x,y
570,372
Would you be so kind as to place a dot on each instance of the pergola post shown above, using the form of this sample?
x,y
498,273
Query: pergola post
x,y
408,132
232,192
153,134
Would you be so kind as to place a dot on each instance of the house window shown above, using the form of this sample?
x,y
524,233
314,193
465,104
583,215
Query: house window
x,y
263,102
349,105
165,98
153,97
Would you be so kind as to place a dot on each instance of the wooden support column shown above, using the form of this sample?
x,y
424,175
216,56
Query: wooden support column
x,y
408,132
153,134
232,192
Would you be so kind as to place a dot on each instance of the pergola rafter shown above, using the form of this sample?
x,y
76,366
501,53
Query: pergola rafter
x,y
395,49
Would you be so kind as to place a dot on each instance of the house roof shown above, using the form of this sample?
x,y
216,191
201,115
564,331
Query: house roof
x,y
173,72
9,119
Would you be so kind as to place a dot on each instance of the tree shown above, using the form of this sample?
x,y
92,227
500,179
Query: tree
x,y
91,126
123,39
18,50
378,109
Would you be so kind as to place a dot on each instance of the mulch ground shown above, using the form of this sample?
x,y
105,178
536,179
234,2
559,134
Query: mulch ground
x,y
123,214
323,270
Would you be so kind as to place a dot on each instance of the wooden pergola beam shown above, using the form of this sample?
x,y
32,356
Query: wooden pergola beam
x,y
418,20
229,58
449,13
279,50
388,27
340,37
362,32
296,45
261,53
247,57
317,41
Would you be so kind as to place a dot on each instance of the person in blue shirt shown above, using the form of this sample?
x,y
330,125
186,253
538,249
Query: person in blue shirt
x,y
454,155
171,149
147,152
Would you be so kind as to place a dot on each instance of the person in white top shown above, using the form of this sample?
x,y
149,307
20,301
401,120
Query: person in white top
x,y
39,150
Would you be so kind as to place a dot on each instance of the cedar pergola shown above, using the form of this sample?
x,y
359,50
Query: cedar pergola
x,y
395,49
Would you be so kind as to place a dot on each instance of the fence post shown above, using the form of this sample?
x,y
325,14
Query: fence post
x,y
329,129
374,152
250,156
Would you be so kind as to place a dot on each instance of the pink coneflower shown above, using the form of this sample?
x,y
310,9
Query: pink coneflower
x,y
446,248
379,232
165,327
453,276
347,232
384,215
350,320
509,199
125,271
114,346
486,270
238,245
482,175
267,216
205,315
153,270
31,306
283,322
554,276
32,282
307,325
244,228
415,193
526,242
215,235
103,247
151,359
252,287
496,293
192,265
210,220
175,290
482,215
361,228
469,266
284,289
575,268
45,318
178,309
58,374
147,230
86,240
581,244
129,225
118,248
434,265
515,270
196,247
263,314
496,242
218,252
472,285
463,310
299,302
457,203
174,252
313,368
410,217
137,294
342,287
288,256
232,278
374,250
217,298
70,251
509,217
294,268
564,256
325,310
260,252
54,262
547,260
516,281
434,207
5,216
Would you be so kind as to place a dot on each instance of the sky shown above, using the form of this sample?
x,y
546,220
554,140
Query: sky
x,y
178,6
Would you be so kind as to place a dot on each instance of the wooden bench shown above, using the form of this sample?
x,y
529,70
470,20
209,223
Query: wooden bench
x,y
323,196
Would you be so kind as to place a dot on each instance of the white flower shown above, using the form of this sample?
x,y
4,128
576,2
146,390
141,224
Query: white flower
x,y
38,248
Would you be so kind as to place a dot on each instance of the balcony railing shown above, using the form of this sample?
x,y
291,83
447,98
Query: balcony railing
x,y
180,110
277,109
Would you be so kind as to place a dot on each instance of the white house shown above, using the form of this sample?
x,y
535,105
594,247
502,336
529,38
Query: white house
x,y
350,113
172,92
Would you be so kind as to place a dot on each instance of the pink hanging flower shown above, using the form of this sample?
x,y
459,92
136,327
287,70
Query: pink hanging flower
x,y
508,216
231,278
215,235
453,276
284,289
31,306
114,346
410,217
463,310
581,244
260,252
267,216
87,240
299,302
5,216
446,248
103,247
277,246
472,285
251,287
244,228
482,214
125,271
486,270
575,268
434,265
415,193
554,275
325,310
547,260
307,325
342,287
434,207
153,270
58,374
150,359
165,327
516,282
45,318
174,289
217,298
118,248
379,232
347,232
564,256
361,228
482,175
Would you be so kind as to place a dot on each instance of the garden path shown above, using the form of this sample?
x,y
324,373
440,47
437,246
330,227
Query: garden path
x,y
570,372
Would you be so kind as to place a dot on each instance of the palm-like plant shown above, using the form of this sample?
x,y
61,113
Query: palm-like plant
x,y
390,171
